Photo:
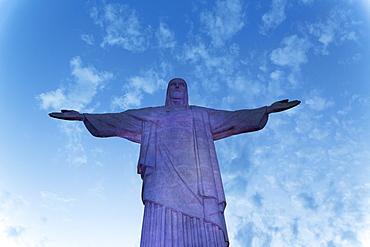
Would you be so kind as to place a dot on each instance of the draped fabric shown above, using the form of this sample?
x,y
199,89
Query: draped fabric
x,y
181,178
165,227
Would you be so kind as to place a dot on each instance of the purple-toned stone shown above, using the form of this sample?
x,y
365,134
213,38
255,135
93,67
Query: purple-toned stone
x,y
182,188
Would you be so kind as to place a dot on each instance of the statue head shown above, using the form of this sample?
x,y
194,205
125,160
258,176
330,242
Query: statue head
x,y
177,92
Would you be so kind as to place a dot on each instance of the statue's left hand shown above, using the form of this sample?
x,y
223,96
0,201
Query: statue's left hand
x,y
68,115
282,105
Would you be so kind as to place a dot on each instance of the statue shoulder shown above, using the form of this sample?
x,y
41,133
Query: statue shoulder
x,y
200,108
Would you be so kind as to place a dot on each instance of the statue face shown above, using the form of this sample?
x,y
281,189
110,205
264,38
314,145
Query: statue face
x,y
177,89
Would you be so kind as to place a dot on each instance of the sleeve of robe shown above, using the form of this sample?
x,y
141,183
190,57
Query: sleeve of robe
x,y
123,124
228,123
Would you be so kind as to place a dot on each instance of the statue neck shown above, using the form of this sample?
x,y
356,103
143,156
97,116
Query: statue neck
x,y
177,102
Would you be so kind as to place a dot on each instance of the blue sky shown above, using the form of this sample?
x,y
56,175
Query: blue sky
x,y
301,181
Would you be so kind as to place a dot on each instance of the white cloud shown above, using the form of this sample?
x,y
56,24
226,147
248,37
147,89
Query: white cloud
x,y
210,65
356,58
128,100
224,21
199,54
318,133
242,90
306,121
88,38
148,82
165,37
97,189
12,208
275,88
11,202
349,107
309,200
56,202
301,189
53,99
306,1
275,16
15,231
196,53
292,53
318,103
293,78
75,151
337,28
122,27
87,82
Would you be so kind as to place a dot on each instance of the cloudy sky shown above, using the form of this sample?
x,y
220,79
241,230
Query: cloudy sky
x,y
304,180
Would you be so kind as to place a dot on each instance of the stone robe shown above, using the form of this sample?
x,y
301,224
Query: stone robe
x,y
182,188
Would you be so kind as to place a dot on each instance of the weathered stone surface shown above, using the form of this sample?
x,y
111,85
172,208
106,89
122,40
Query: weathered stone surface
x,y
182,188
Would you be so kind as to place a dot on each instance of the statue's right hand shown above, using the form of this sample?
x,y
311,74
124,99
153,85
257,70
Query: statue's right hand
x,y
68,115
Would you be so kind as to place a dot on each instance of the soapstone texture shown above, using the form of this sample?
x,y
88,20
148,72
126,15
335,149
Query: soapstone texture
x,y
182,189
179,167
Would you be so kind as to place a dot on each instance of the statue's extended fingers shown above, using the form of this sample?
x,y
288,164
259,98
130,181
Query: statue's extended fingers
x,y
56,114
293,103
296,102
68,111
283,101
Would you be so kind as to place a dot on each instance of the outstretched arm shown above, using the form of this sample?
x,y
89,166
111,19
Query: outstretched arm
x,y
282,105
121,124
228,123
68,115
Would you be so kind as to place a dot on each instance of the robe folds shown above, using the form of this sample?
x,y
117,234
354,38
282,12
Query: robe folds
x,y
182,189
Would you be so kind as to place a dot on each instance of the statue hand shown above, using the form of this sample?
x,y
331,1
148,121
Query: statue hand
x,y
282,105
68,115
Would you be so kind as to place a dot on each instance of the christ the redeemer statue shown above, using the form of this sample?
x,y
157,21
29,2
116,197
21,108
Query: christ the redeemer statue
x,y
182,188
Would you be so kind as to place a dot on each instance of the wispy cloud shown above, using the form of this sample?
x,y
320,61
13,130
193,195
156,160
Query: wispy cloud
x,y
77,95
50,196
12,206
309,125
336,29
293,52
242,89
15,231
147,82
296,206
87,81
75,152
55,201
10,202
224,21
275,86
97,189
88,38
316,102
207,58
275,16
122,27
53,99
305,200
355,99
309,188
165,36
211,65
306,1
